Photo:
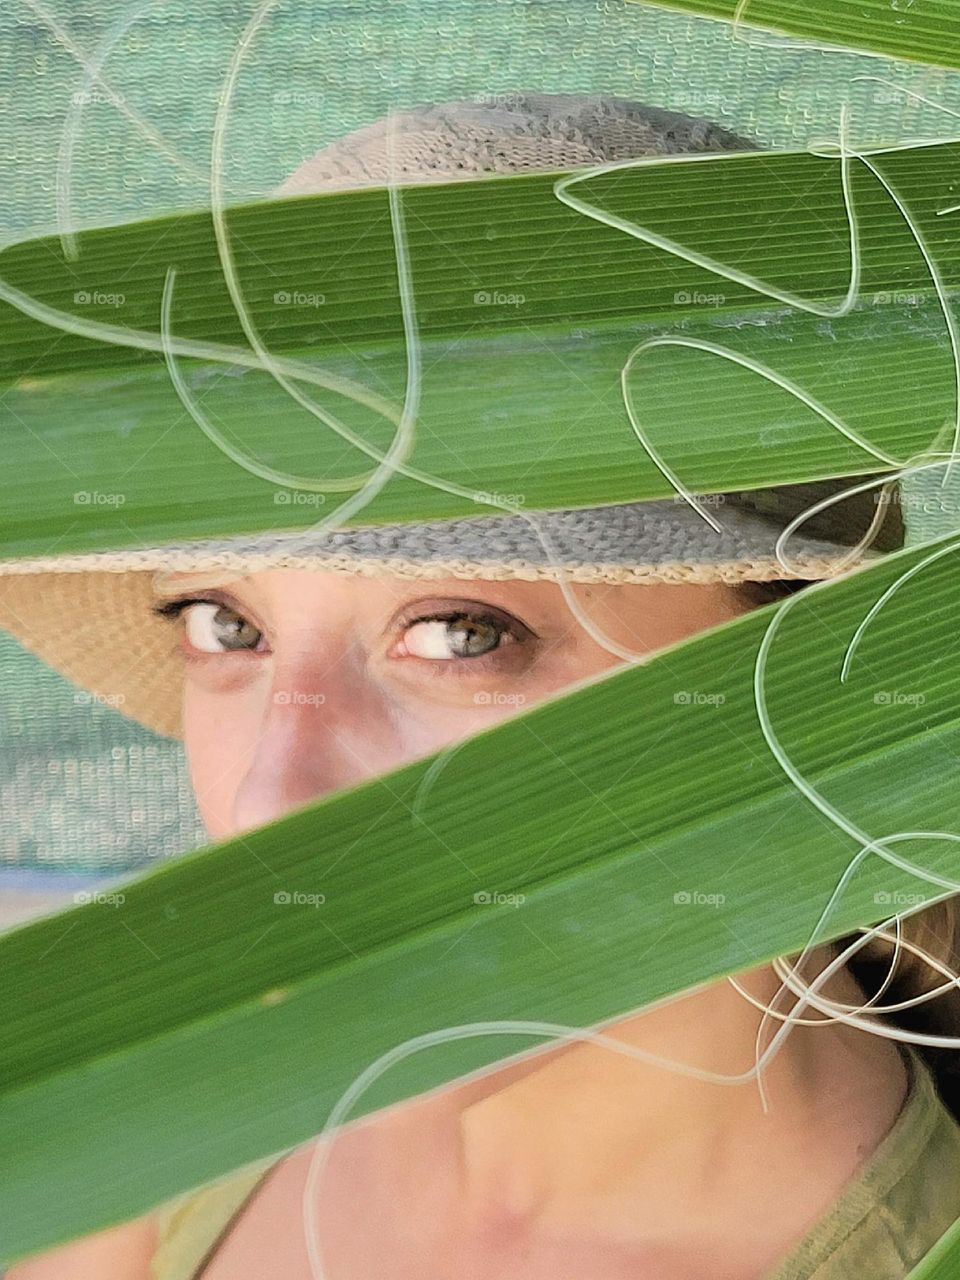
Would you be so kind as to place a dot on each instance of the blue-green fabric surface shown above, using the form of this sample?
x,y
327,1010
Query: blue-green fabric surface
x,y
316,70
84,792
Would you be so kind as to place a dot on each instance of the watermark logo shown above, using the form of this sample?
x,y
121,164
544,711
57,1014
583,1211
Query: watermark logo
x,y
497,698
484,898
887,97
298,298
92,897
696,298
498,298
702,499
298,98
97,298
701,101
898,899
898,698
91,97
84,698
298,698
899,298
499,499
297,498
284,898
93,498
694,698
938,504
509,100
694,898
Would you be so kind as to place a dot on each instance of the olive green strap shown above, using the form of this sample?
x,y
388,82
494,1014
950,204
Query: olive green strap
x,y
192,1226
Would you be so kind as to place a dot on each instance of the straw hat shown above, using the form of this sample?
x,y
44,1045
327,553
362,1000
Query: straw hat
x,y
89,615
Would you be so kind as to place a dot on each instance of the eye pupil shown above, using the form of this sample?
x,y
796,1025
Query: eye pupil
x,y
234,631
470,636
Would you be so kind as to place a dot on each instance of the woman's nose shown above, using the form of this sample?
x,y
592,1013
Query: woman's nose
x,y
312,741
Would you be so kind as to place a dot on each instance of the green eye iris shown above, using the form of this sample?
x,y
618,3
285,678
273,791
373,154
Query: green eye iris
x,y
459,635
471,636
213,628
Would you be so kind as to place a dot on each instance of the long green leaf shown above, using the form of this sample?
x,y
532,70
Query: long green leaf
x,y
943,1260
518,397
208,1023
921,30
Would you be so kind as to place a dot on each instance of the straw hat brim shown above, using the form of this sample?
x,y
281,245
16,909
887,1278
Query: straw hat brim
x,y
90,616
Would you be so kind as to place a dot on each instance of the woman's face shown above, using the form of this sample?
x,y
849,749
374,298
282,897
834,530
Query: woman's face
x,y
300,682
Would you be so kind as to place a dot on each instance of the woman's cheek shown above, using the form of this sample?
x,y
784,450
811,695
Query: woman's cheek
x,y
433,718
220,734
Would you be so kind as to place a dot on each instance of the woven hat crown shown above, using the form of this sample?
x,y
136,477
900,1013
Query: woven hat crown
x,y
653,541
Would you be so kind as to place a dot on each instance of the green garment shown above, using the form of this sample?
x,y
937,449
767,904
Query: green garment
x,y
903,1198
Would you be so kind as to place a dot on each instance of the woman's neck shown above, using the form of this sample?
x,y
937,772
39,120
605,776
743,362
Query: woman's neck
x,y
589,1142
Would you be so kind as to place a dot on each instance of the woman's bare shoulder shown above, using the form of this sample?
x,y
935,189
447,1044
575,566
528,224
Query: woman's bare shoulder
x,y
122,1253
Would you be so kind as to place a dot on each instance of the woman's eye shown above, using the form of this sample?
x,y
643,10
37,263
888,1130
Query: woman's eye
x,y
214,628
458,636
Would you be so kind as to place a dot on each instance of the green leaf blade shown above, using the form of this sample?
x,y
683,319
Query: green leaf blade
x,y
221,1026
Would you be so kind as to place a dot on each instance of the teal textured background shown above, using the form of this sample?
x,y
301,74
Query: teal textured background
x,y
85,793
